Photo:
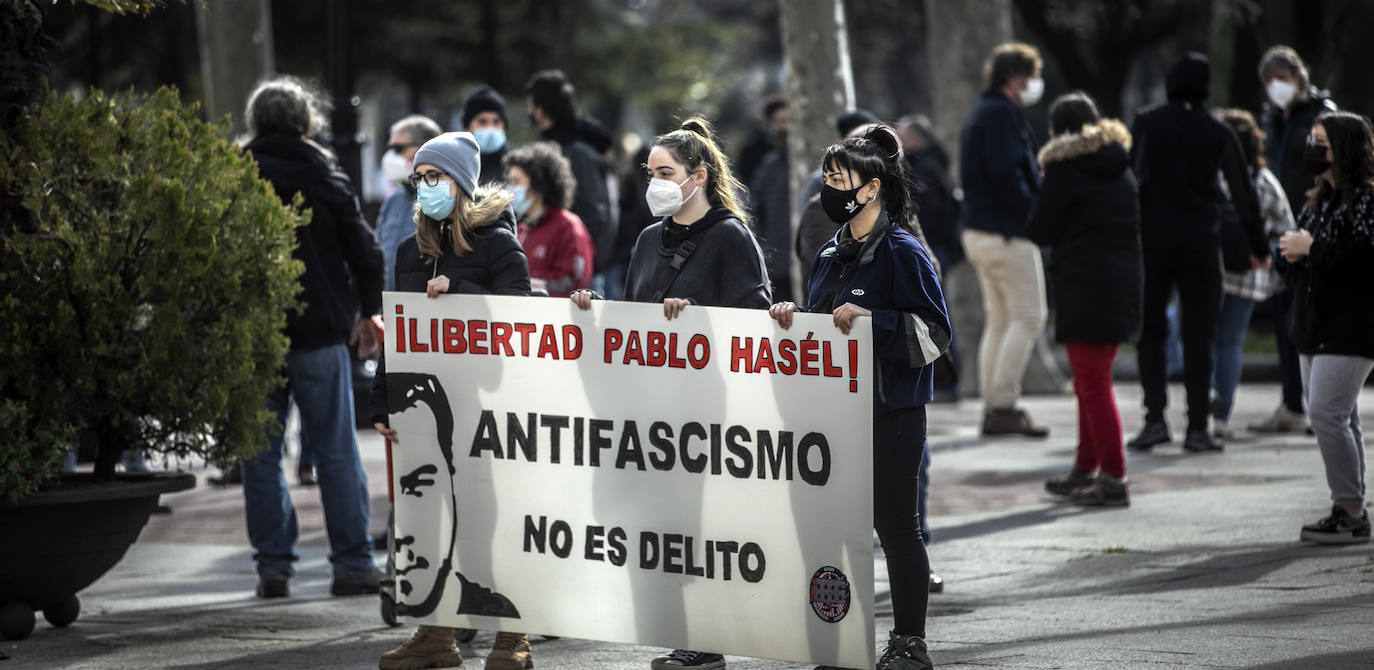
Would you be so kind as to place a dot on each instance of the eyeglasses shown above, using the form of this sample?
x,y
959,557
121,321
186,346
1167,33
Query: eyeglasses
x,y
432,178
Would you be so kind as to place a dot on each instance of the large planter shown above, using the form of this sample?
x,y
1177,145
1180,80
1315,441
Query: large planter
x,y
59,541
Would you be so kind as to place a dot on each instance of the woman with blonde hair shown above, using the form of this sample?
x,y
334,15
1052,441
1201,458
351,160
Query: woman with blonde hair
x,y
464,242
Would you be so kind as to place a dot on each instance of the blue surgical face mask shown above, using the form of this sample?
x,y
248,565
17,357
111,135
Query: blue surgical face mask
x,y
435,201
521,203
490,140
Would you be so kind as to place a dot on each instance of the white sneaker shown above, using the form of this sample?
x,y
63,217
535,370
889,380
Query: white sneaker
x,y
1282,420
1221,430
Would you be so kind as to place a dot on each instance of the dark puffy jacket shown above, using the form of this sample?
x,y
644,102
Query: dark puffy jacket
x,y
343,264
1333,306
591,200
496,265
997,167
724,269
1284,140
1089,216
894,278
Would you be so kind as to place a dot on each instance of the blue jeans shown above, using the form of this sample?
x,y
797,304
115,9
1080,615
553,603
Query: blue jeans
x,y
318,380
1231,326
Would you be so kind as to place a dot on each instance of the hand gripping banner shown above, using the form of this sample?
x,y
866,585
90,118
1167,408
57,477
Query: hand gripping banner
x,y
701,483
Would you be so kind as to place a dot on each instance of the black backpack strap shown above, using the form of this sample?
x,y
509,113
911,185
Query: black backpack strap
x,y
680,256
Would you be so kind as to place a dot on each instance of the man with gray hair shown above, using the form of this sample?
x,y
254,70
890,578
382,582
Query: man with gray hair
x,y
1292,105
343,272
396,220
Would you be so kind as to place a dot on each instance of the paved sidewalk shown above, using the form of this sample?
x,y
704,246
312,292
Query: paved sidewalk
x,y
1204,570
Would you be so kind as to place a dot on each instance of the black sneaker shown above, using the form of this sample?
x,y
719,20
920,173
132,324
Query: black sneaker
x,y
1154,432
1108,491
273,588
686,658
937,583
905,652
305,474
1066,485
1339,528
1198,441
356,585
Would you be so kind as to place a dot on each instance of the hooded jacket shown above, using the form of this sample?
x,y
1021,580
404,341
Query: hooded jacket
x,y
997,168
1284,140
1089,216
591,199
892,276
1177,150
343,264
495,266
722,267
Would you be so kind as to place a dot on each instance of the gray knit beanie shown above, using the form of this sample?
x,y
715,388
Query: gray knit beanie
x,y
457,154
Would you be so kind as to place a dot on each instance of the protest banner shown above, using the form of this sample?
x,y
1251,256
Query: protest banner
x,y
701,483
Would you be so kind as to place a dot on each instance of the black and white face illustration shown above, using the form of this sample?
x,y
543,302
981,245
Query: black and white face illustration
x,y
421,578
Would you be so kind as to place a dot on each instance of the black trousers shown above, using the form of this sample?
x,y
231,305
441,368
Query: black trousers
x,y
898,443
1290,374
1196,273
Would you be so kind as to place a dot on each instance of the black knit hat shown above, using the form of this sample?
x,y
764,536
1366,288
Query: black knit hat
x,y
484,99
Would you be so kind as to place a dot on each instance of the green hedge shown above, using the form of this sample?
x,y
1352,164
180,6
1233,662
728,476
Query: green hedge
x,y
146,278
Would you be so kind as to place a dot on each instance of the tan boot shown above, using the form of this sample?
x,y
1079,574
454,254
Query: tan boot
x,y
511,651
429,647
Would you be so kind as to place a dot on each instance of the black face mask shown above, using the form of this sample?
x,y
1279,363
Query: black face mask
x,y
1314,157
841,206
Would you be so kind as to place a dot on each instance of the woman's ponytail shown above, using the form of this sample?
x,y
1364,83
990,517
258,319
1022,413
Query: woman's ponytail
x,y
694,145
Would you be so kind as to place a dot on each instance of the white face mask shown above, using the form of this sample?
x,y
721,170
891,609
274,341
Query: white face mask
x,y
665,197
1281,93
1031,94
395,168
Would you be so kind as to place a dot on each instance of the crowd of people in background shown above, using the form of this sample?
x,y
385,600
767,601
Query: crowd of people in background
x,y
1218,211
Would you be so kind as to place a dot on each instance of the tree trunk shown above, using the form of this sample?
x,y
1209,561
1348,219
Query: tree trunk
x,y
229,67
960,37
820,87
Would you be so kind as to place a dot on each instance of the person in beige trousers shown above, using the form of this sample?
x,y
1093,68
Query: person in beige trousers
x,y
1001,178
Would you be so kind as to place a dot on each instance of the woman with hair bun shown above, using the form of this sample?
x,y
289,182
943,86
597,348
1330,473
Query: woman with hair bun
x,y
876,267
699,252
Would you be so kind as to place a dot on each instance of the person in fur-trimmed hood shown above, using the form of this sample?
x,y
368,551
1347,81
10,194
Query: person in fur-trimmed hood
x,y
1089,216
464,242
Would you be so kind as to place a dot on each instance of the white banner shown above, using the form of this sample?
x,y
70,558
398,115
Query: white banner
x,y
701,483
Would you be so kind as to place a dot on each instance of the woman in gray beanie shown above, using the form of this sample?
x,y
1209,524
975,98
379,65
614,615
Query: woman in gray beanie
x,y
464,242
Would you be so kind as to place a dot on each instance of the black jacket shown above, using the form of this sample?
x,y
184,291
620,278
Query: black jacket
x,y
343,264
591,200
1284,140
1088,215
1333,304
496,265
997,167
724,269
933,194
770,204
1177,149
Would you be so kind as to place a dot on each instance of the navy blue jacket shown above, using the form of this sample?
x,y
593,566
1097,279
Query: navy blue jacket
x,y
997,167
894,278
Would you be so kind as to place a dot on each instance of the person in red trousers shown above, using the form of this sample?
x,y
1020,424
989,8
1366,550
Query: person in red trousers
x,y
1088,215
